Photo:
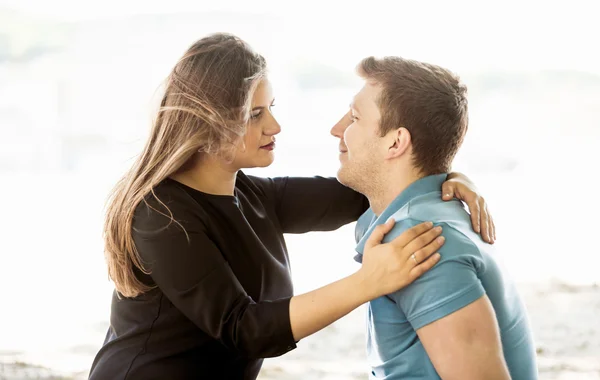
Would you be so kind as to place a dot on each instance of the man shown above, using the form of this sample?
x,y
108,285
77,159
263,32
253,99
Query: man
x,y
463,319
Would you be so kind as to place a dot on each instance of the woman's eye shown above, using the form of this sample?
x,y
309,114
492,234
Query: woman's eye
x,y
255,115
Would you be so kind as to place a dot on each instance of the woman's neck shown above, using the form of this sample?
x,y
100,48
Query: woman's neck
x,y
208,175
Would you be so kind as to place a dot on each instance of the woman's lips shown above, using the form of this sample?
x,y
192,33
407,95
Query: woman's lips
x,y
269,146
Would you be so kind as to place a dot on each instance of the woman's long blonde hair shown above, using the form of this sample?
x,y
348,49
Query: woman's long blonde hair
x,y
204,110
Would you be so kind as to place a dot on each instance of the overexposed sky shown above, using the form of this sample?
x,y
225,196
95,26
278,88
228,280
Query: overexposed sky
x,y
461,35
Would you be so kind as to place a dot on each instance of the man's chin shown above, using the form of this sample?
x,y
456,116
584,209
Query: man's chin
x,y
339,176
342,178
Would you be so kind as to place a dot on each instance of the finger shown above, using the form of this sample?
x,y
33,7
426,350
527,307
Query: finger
x,y
418,270
423,253
493,228
485,221
409,235
379,232
447,191
475,214
423,240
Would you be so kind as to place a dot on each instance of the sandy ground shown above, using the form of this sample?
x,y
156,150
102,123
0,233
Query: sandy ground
x,y
565,319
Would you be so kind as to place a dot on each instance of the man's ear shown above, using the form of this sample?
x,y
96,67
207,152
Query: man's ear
x,y
399,143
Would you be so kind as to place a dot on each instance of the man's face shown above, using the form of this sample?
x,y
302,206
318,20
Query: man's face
x,y
361,148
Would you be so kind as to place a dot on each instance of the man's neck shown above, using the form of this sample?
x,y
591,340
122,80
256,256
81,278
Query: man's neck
x,y
208,175
390,188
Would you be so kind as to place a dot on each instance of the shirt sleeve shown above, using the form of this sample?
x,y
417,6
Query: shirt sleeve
x,y
449,286
305,204
193,274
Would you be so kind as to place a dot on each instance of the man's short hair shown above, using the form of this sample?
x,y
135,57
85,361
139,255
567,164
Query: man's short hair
x,y
428,100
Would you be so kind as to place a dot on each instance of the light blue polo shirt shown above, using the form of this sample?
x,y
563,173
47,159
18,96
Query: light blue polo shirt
x,y
468,269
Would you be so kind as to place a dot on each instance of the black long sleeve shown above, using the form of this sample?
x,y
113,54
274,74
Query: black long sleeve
x,y
221,274
193,274
306,204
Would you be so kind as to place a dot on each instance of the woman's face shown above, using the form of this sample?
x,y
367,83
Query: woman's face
x,y
259,140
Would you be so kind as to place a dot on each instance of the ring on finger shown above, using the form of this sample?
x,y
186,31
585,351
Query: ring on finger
x,y
414,258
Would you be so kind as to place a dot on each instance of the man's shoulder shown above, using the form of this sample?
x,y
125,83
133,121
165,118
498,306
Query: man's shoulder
x,y
430,206
459,237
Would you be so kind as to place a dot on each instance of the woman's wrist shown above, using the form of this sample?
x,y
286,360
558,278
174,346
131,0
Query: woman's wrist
x,y
362,285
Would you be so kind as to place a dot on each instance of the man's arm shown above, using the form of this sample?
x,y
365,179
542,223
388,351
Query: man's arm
x,y
466,344
452,315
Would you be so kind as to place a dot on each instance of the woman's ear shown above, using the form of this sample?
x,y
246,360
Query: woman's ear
x,y
400,142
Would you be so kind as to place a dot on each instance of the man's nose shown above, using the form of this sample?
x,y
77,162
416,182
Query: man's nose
x,y
340,127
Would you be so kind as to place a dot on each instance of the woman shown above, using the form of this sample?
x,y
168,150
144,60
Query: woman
x,y
195,247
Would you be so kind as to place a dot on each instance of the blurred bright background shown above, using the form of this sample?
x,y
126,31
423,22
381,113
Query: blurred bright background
x,y
79,83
